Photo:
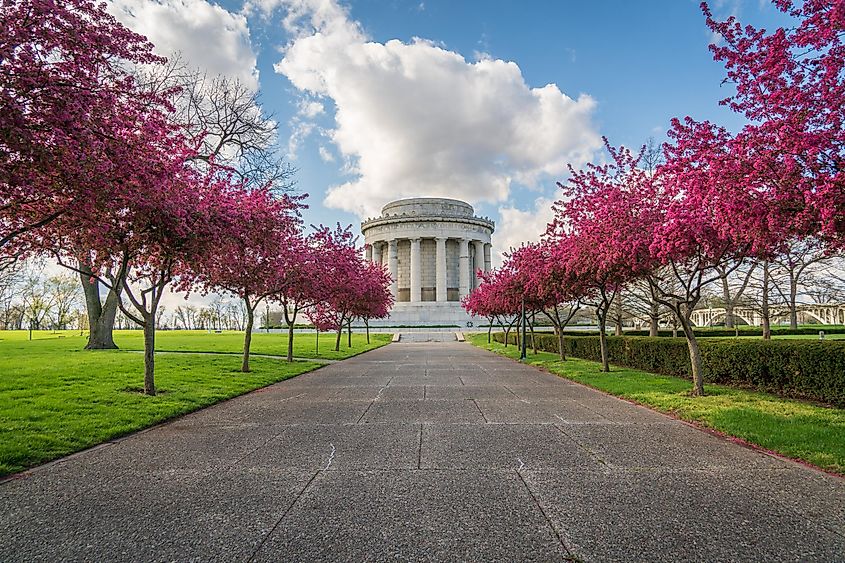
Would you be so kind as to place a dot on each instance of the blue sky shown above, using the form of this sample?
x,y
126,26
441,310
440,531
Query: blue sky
x,y
636,64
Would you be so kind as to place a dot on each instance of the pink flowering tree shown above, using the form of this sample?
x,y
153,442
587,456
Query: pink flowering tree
x,y
67,99
789,85
263,239
374,297
551,287
299,285
499,297
594,244
339,278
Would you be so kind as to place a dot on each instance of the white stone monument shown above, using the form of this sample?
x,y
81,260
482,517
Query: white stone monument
x,y
433,248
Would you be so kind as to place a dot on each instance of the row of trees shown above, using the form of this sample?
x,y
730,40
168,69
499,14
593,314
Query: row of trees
x,y
29,299
714,202
142,177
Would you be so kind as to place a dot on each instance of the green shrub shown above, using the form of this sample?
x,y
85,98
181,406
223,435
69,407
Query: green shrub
x,y
801,368
747,331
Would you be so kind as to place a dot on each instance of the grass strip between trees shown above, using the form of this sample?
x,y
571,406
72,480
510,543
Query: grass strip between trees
x,y
796,429
56,398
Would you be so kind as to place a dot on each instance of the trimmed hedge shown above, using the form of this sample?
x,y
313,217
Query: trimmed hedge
x,y
704,332
799,368
746,331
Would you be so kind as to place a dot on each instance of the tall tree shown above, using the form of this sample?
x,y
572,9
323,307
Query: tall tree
x,y
262,242
66,96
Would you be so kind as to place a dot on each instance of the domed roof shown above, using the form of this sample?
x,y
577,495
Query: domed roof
x,y
428,207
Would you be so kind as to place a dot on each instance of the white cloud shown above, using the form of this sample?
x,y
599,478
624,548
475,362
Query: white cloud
x,y
207,36
310,108
417,119
326,154
300,130
517,226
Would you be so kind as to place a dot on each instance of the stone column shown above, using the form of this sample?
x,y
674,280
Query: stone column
x,y
393,264
464,267
479,260
488,262
377,247
440,269
416,271
368,253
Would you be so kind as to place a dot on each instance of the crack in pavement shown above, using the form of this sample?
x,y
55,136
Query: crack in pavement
x,y
331,458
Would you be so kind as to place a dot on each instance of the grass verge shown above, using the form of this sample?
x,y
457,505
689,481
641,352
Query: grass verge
x,y
57,398
796,429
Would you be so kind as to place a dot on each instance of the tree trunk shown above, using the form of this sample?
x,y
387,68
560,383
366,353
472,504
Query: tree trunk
x,y
617,314
654,319
560,342
764,309
349,334
290,342
605,360
730,321
149,354
250,317
694,353
367,326
533,340
101,316
793,306
339,335
490,331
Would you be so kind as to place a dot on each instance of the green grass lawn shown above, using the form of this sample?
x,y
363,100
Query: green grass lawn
x,y
57,398
273,344
800,430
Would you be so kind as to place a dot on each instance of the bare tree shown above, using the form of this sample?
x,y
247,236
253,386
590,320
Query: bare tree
x,y
10,289
35,299
734,282
64,292
790,268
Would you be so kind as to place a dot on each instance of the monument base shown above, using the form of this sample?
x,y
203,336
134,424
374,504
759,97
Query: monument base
x,y
428,313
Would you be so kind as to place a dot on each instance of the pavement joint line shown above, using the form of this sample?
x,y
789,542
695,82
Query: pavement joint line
x,y
595,412
363,414
461,379
474,402
549,522
282,517
590,452
515,395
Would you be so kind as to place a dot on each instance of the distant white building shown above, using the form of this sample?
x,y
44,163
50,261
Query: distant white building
x,y
433,248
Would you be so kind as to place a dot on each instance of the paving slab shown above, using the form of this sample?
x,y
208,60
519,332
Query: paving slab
x,y
341,447
423,451
415,516
502,446
676,516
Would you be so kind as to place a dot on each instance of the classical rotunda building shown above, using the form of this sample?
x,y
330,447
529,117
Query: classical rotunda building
x,y
433,248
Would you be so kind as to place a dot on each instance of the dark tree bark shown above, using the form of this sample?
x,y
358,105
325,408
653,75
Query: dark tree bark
x,y
654,319
149,354
101,316
250,319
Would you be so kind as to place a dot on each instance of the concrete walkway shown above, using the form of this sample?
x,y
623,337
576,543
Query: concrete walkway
x,y
436,451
